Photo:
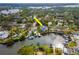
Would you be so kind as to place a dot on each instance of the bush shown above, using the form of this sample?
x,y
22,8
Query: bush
x,y
26,50
1,41
72,44
9,41
58,51
22,38
31,50
46,49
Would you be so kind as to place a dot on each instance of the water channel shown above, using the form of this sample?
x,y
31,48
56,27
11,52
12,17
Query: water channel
x,y
47,39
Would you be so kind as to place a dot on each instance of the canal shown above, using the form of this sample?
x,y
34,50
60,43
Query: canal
x,y
47,39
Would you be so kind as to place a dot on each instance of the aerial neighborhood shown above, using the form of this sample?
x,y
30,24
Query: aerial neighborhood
x,y
39,29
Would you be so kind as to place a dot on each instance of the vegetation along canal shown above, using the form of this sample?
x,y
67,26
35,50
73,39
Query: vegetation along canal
x,y
47,39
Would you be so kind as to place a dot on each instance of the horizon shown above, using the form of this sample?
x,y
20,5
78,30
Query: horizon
x,y
40,4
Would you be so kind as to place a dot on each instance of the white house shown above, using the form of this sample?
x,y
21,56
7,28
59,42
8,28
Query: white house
x,y
10,11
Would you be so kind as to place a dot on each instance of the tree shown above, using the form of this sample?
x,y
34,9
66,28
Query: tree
x,y
72,44
26,50
58,51
9,41
46,49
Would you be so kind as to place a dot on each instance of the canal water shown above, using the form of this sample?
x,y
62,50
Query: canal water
x,y
47,39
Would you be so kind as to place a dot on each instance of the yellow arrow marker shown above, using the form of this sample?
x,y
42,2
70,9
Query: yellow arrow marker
x,y
38,21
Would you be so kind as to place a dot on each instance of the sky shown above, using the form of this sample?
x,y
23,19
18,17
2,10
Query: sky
x,y
39,1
